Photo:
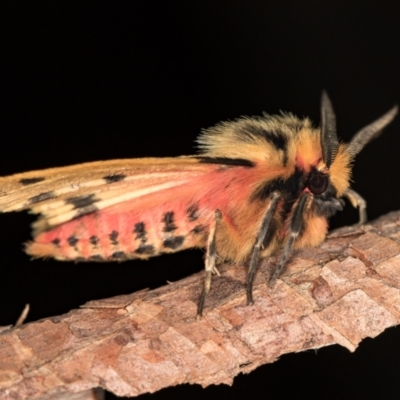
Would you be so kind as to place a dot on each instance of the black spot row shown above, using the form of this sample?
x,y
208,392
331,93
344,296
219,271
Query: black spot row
x,y
172,242
143,249
73,240
118,255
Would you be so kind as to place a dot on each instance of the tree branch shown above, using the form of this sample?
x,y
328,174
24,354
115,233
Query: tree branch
x,y
343,291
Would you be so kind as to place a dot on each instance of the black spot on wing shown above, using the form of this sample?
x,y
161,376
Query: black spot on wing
x,y
114,237
56,242
94,240
96,257
114,178
84,204
168,220
82,201
146,249
140,230
72,240
173,242
193,212
31,181
238,162
119,255
198,229
85,210
41,197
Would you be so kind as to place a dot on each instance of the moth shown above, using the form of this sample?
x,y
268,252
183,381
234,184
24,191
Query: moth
x,y
258,185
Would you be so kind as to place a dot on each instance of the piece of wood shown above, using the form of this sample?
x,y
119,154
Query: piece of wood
x,y
339,293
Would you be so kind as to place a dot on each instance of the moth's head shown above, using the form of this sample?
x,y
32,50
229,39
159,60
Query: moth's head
x,y
338,157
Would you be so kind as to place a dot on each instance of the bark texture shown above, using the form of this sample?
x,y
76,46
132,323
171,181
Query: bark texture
x,y
343,291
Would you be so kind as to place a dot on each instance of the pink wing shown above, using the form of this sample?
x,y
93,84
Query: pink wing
x,y
120,209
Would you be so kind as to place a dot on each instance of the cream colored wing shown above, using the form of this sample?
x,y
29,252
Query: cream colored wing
x,y
61,194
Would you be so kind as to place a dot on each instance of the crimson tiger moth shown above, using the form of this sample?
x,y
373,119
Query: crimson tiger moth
x,y
258,185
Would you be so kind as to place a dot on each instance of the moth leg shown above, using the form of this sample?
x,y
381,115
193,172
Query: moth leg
x,y
209,263
295,227
358,202
275,196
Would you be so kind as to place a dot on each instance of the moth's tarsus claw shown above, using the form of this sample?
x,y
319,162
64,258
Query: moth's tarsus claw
x,y
250,300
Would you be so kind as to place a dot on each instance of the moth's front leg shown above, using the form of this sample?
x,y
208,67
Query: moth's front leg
x,y
295,228
209,263
358,202
255,255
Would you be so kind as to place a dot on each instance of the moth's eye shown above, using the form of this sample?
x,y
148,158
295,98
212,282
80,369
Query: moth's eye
x,y
318,183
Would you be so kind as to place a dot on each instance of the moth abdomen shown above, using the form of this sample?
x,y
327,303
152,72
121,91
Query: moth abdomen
x,y
120,236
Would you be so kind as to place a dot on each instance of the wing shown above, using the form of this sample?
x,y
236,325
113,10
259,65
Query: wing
x,y
122,209
62,194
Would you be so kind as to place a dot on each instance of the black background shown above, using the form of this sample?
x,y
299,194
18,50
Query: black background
x,y
90,81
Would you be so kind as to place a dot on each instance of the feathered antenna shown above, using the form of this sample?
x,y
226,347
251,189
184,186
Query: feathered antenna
x,y
329,139
370,132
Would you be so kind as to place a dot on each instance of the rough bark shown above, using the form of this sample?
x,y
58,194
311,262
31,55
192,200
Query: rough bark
x,y
343,291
